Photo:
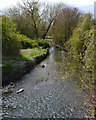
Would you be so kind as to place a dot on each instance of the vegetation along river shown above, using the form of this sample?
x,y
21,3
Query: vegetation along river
x,y
49,92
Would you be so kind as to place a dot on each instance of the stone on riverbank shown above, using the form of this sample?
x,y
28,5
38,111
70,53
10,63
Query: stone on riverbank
x,y
44,65
19,91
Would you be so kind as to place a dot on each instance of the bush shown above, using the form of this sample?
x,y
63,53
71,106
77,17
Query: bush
x,y
7,68
80,39
44,43
82,47
10,43
27,42
89,53
81,44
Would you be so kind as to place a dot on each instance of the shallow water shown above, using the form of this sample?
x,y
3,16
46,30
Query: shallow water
x,y
49,92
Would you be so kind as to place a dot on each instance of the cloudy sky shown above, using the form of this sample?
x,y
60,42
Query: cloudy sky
x,y
84,5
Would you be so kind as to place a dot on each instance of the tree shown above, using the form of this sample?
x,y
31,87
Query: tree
x,y
32,8
33,18
22,19
64,24
10,43
50,13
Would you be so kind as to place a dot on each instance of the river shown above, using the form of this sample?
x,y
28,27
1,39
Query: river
x,y
48,93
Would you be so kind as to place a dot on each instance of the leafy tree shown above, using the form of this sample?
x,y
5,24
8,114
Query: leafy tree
x,y
10,43
22,20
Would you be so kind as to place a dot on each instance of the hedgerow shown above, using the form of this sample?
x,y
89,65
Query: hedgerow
x,y
29,43
81,43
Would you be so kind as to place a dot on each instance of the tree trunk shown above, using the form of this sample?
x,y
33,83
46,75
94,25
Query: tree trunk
x,y
35,26
47,29
36,31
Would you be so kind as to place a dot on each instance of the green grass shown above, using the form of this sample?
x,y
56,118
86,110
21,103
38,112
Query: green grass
x,y
32,53
26,55
7,67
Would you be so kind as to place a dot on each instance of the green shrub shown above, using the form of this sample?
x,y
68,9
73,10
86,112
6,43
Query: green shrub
x,y
27,42
10,43
80,39
7,68
89,53
82,47
44,43
81,44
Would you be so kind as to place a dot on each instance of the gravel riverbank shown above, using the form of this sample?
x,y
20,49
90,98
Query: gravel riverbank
x,y
46,95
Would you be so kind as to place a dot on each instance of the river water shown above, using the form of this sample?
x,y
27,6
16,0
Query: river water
x,y
48,92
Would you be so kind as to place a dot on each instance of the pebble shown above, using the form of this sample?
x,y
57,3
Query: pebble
x,y
19,91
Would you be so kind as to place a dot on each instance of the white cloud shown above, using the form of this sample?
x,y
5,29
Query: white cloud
x,y
74,2
7,3
78,3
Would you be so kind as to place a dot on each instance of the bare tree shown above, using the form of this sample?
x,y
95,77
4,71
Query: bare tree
x,y
32,7
34,18
50,13
42,12
65,23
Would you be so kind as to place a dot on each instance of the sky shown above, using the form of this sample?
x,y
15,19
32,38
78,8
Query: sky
x,y
84,5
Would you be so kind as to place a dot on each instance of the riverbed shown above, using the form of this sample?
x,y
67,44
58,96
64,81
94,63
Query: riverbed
x,y
48,93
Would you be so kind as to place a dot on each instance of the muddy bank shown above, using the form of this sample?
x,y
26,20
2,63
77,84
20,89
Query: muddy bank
x,y
22,68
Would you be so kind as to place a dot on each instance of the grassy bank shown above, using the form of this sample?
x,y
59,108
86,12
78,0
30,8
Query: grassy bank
x,y
20,53
14,68
29,54
26,55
